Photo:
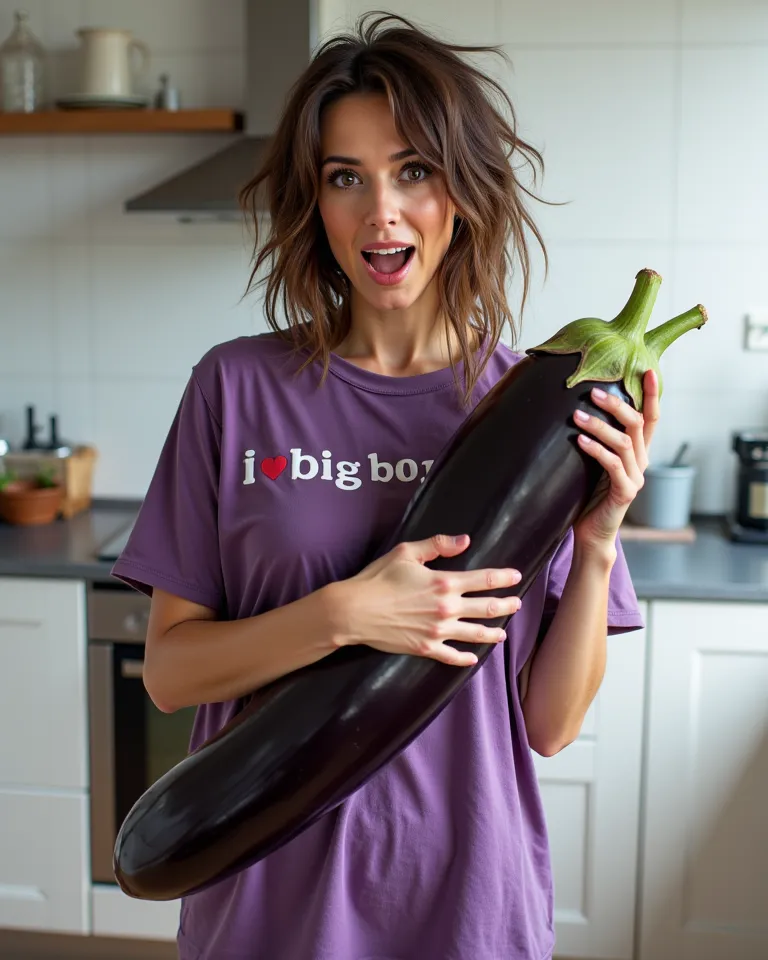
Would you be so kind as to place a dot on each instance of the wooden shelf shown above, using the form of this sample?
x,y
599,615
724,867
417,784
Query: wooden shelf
x,y
120,121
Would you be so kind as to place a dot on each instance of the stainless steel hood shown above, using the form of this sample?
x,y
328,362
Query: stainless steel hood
x,y
279,39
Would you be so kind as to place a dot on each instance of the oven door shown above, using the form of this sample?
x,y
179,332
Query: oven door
x,y
132,743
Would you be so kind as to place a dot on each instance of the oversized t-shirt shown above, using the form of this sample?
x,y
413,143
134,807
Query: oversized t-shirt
x,y
269,486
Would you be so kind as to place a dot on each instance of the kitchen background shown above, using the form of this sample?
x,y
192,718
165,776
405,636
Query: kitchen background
x,y
653,129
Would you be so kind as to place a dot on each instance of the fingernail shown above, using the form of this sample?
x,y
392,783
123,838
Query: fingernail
x,y
584,438
459,539
581,416
600,394
502,635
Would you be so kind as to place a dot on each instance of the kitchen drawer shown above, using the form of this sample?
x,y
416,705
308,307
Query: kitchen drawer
x,y
44,879
115,914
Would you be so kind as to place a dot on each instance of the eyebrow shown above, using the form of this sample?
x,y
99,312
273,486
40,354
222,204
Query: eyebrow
x,y
352,162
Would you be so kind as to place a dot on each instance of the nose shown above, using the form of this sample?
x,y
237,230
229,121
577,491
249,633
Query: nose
x,y
383,205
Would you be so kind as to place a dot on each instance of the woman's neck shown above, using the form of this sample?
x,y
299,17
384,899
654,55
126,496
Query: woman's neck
x,y
400,343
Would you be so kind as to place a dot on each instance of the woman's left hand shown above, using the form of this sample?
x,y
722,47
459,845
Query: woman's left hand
x,y
624,457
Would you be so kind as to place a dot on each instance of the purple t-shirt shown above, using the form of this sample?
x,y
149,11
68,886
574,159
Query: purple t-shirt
x,y
268,487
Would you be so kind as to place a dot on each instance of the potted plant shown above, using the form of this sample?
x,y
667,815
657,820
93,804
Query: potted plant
x,y
31,500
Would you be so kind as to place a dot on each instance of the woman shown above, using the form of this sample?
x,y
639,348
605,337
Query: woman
x,y
291,459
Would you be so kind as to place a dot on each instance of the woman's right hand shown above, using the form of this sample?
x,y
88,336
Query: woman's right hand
x,y
398,605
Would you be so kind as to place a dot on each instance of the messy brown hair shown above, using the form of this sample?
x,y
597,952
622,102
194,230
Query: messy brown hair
x,y
448,111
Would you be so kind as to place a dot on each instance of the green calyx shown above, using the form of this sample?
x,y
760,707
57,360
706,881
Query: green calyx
x,y
620,350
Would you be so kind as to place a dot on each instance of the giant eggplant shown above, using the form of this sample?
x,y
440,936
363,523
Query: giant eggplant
x,y
302,744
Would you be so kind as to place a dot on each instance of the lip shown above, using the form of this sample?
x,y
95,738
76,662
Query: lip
x,y
388,279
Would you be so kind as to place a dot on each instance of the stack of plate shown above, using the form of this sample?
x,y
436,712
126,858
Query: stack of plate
x,y
84,101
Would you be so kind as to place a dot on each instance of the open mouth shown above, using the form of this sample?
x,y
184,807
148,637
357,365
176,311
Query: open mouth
x,y
389,266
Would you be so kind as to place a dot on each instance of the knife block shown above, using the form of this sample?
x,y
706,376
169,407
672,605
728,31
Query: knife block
x,y
74,473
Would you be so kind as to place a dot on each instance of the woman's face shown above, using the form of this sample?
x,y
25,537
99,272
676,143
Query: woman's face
x,y
377,195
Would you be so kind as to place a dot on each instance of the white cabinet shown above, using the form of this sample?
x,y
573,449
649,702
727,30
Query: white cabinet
x,y
117,915
44,877
43,861
43,698
705,858
591,794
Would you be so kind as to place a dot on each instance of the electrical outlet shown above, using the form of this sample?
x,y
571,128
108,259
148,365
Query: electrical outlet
x,y
756,330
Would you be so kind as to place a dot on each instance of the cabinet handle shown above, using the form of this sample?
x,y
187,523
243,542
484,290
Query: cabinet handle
x,y
132,669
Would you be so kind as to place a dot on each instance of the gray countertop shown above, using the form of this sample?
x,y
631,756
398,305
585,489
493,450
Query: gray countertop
x,y
710,568
65,548
713,567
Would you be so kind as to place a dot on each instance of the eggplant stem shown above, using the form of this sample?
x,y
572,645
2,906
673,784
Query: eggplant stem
x,y
658,339
620,351
632,320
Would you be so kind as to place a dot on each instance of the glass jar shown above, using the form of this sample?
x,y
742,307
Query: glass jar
x,y
22,64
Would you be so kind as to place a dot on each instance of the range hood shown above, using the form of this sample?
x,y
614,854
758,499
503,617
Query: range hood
x,y
279,39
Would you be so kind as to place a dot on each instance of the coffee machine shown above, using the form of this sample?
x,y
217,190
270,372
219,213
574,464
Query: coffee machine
x,y
749,521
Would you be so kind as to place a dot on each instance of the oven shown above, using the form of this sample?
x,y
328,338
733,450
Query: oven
x,y
132,743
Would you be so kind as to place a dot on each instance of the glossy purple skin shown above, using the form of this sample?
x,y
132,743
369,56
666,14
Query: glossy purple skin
x,y
305,742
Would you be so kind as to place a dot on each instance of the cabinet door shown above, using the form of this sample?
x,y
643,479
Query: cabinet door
x,y
44,881
705,883
43,700
591,795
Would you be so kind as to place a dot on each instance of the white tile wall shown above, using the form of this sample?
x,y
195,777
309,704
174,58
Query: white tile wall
x,y
590,280
459,22
612,22
653,130
723,192
719,22
131,416
128,339
605,125
103,313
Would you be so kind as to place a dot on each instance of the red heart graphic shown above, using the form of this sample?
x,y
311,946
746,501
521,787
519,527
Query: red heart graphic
x,y
273,466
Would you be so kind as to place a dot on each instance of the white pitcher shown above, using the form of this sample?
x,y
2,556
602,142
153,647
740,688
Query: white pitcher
x,y
110,67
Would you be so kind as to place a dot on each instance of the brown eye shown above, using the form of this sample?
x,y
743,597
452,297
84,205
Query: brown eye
x,y
342,178
415,173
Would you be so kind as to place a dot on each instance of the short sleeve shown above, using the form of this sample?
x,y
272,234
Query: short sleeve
x,y
174,544
623,609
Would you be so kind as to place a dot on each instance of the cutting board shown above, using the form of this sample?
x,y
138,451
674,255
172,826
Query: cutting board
x,y
630,531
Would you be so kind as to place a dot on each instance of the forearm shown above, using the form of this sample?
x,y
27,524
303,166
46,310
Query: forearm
x,y
569,665
206,661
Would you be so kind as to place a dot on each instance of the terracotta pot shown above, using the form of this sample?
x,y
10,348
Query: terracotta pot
x,y
23,502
